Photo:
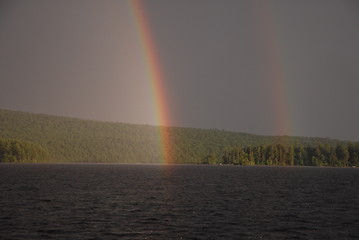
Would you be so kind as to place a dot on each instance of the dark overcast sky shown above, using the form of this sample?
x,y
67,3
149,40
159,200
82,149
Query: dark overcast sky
x,y
227,64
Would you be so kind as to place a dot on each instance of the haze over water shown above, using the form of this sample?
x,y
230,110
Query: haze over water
x,y
114,201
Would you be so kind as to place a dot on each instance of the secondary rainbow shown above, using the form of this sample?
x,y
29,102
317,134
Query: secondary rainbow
x,y
155,75
275,66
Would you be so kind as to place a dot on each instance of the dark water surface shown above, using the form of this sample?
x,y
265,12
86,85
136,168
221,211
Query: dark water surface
x,y
113,201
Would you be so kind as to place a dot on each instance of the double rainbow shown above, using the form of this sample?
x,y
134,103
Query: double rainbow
x,y
273,61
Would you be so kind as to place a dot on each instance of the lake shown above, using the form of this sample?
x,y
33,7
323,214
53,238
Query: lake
x,y
118,201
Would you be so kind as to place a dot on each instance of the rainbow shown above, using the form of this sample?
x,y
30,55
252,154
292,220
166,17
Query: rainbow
x,y
275,66
273,61
155,76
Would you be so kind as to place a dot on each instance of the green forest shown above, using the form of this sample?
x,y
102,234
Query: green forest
x,y
339,155
29,137
15,151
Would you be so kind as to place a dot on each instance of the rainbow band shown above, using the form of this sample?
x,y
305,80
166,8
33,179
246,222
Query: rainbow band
x,y
154,73
275,71
275,66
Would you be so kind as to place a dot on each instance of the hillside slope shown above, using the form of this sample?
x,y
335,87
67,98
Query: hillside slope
x,y
75,140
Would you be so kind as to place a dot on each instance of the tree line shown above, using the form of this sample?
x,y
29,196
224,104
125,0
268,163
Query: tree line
x,y
339,155
63,139
15,151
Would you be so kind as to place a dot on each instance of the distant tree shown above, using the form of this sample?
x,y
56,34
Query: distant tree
x,y
251,158
353,149
281,154
354,160
290,156
333,159
210,159
299,155
343,155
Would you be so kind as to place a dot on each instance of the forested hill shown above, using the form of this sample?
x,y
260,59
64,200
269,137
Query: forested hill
x,y
73,140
